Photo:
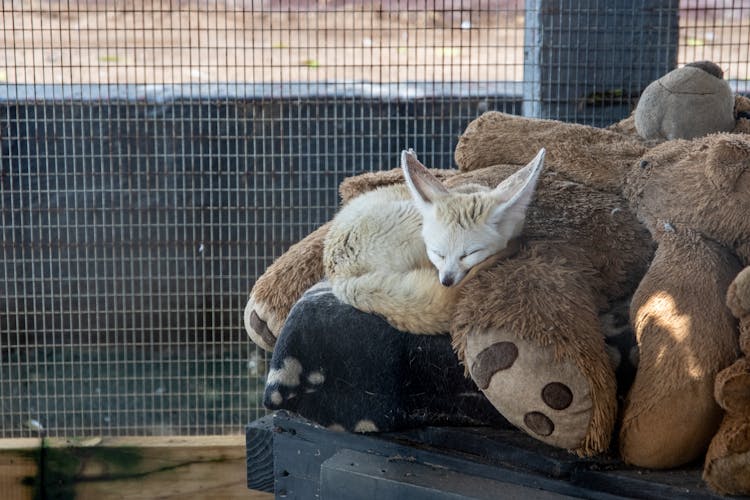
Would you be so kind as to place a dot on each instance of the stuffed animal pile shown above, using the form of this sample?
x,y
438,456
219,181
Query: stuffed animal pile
x,y
653,220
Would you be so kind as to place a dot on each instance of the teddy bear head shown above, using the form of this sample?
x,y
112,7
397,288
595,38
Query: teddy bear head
x,y
701,185
688,102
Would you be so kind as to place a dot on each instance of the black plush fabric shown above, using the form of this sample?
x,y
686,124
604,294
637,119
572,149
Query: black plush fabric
x,y
341,367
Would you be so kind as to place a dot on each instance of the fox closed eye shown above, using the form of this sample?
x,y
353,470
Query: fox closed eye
x,y
437,254
470,253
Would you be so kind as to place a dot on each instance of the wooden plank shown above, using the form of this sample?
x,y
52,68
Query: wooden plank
x,y
642,483
259,443
302,449
502,447
17,473
352,475
130,467
19,443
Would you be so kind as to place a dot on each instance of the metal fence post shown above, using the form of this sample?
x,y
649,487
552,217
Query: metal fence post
x,y
582,56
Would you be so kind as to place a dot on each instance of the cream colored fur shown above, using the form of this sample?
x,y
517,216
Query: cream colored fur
x,y
403,251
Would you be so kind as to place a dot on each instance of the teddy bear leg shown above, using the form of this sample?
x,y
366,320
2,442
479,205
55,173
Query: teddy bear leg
x,y
727,466
283,283
685,335
529,334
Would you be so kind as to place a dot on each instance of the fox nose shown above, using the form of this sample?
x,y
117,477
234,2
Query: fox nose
x,y
447,280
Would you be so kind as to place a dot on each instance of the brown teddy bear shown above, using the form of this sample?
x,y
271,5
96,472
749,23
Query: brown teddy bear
x,y
528,328
727,468
693,196
688,102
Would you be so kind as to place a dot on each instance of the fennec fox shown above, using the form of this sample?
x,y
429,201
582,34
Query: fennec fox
x,y
401,251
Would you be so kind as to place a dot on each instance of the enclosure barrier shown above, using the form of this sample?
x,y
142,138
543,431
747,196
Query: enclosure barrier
x,y
137,214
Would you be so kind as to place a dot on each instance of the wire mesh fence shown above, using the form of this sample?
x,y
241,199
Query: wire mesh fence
x,y
157,155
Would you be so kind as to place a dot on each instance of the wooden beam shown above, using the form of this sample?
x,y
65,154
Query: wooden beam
x,y
17,472
260,454
126,467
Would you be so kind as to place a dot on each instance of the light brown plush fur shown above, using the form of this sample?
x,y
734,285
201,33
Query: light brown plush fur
x,y
583,249
299,268
605,200
727,466
685,336
694,197
595,157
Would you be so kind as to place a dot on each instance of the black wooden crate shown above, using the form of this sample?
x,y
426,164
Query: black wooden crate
x,y
296,458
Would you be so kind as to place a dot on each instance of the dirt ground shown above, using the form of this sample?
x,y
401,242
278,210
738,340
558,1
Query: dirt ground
x,y
252,41
177,42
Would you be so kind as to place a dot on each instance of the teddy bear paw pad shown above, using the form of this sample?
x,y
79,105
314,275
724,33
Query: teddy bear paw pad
x,y
259,324
548,398
286,382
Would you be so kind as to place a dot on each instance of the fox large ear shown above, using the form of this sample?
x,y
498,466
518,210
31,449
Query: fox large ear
x,y
425,188
514,195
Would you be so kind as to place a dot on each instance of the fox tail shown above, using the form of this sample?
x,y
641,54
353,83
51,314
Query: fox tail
x,y
413,301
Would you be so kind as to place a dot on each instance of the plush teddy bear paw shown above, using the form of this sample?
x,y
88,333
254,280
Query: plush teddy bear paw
x,y
738,300
261,324
287,380
727,466
548,397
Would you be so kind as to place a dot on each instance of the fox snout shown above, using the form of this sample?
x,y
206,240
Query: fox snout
x,y
448,279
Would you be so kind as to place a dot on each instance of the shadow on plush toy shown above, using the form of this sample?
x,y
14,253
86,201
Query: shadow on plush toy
x,y
659,221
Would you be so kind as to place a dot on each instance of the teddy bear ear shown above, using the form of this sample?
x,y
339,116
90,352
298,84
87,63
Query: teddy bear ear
x,y
728,159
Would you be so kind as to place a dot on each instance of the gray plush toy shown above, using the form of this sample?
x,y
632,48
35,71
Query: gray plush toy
x,y
686,103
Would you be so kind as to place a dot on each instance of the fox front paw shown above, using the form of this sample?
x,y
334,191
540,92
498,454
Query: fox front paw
x,y
545,396
261,324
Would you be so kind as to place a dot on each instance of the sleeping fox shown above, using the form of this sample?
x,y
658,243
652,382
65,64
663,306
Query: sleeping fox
x,y
403,251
